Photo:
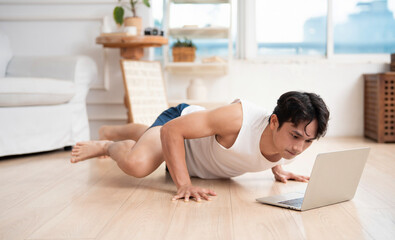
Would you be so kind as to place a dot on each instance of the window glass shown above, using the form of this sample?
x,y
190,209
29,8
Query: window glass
x,y
291,27
157,14
198,15
202,15
364,26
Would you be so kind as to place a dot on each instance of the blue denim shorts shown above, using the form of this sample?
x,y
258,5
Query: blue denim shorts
x,y
169,114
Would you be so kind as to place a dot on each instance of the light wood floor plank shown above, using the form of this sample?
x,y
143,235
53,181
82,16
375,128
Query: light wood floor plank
x,y
23,219
378,222
45,197
86,216
33,173
205,220
331,222
147,213
252,220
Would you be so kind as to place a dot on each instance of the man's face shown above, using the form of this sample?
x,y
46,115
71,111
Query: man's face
x,y
291,140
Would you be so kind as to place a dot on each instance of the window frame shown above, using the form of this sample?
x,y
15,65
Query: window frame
x,y
247,48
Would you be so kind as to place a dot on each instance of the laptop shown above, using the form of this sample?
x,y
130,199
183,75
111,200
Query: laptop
x,y
334,179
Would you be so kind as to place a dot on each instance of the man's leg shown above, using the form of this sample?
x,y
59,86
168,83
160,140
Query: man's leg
x,y
137,159
122,132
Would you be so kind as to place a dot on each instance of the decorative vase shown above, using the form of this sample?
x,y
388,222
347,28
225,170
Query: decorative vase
x,y
196,90
135,22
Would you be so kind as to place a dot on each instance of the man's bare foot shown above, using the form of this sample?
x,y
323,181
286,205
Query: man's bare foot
x,y
90,149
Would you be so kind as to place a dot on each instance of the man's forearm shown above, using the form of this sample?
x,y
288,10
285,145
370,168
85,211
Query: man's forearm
x,y
174,154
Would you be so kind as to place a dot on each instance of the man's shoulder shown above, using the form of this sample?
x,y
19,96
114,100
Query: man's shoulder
x,y
227,119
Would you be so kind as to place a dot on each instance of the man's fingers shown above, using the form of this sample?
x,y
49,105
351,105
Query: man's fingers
x,y
209,192
206,197
212,193
305,178
187,196
194,192
176,197
283,179
197,196
300,178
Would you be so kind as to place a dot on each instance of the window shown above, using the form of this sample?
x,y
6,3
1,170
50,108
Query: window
x,y
157,14
364,26
291,27
200,15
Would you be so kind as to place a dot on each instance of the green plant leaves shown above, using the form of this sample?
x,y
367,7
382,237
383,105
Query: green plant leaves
x,y
118,15
146,3
119,10
186,43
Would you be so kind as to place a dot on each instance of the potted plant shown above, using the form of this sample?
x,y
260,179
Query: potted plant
x,y
184,51
119,12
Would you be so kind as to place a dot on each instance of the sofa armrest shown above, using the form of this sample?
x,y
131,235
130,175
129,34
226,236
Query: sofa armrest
x,y
81,70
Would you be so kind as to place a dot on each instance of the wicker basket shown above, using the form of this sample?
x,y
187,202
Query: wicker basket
x,y
379,114
184,54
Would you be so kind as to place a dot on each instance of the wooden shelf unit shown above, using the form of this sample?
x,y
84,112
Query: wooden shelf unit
x,y
210,32
379,106
200,33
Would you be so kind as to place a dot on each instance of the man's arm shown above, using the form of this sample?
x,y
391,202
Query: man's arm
x,y
283,176
222,121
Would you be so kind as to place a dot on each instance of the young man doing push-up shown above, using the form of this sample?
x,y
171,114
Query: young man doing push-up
x,y
221,143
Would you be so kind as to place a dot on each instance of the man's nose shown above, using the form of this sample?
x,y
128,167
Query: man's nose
x,y
298,147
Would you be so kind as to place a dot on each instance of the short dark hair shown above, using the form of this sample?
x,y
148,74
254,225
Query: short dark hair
x,y
298,107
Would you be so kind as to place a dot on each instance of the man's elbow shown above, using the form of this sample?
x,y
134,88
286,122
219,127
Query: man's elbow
x,y
170,135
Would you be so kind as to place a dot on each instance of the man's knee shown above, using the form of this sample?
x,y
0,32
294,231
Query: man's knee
x,y
136,165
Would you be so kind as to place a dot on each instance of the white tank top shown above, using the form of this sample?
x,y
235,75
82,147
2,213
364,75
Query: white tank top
x,y
206,158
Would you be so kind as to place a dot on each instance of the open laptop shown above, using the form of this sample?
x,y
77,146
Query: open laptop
x,y
334,179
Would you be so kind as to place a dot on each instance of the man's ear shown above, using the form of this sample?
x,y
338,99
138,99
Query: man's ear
x,y
273,122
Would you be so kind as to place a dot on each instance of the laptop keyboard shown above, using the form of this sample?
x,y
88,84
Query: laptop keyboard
x,y
297,202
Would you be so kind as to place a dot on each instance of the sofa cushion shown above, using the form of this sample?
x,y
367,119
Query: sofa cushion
x,y
34,91
5,53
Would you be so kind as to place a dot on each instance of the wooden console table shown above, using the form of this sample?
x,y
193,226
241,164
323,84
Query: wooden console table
x,y
132,47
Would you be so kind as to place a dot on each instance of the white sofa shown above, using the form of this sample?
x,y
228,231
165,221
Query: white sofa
x,y
42,101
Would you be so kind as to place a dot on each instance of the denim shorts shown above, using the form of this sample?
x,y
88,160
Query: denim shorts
x,y
169,114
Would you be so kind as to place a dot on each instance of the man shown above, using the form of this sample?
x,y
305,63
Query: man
x,y
220,143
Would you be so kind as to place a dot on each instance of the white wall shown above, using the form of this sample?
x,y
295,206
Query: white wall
x,y
68,27
339,84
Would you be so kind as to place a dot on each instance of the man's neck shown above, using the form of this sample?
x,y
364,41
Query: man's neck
x,y
267,147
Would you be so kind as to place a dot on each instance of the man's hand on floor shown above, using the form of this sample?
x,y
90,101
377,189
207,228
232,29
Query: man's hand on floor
x,y
198,193
283,176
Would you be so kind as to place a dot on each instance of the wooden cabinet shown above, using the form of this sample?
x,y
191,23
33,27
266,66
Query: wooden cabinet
x,y
379,106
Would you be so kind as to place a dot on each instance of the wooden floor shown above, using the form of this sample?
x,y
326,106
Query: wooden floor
x,y
43,196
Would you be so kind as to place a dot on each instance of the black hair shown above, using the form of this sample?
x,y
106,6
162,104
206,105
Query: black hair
x,y
297,107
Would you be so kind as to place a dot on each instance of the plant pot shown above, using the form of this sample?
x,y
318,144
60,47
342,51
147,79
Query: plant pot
x,y
135,22
184,54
